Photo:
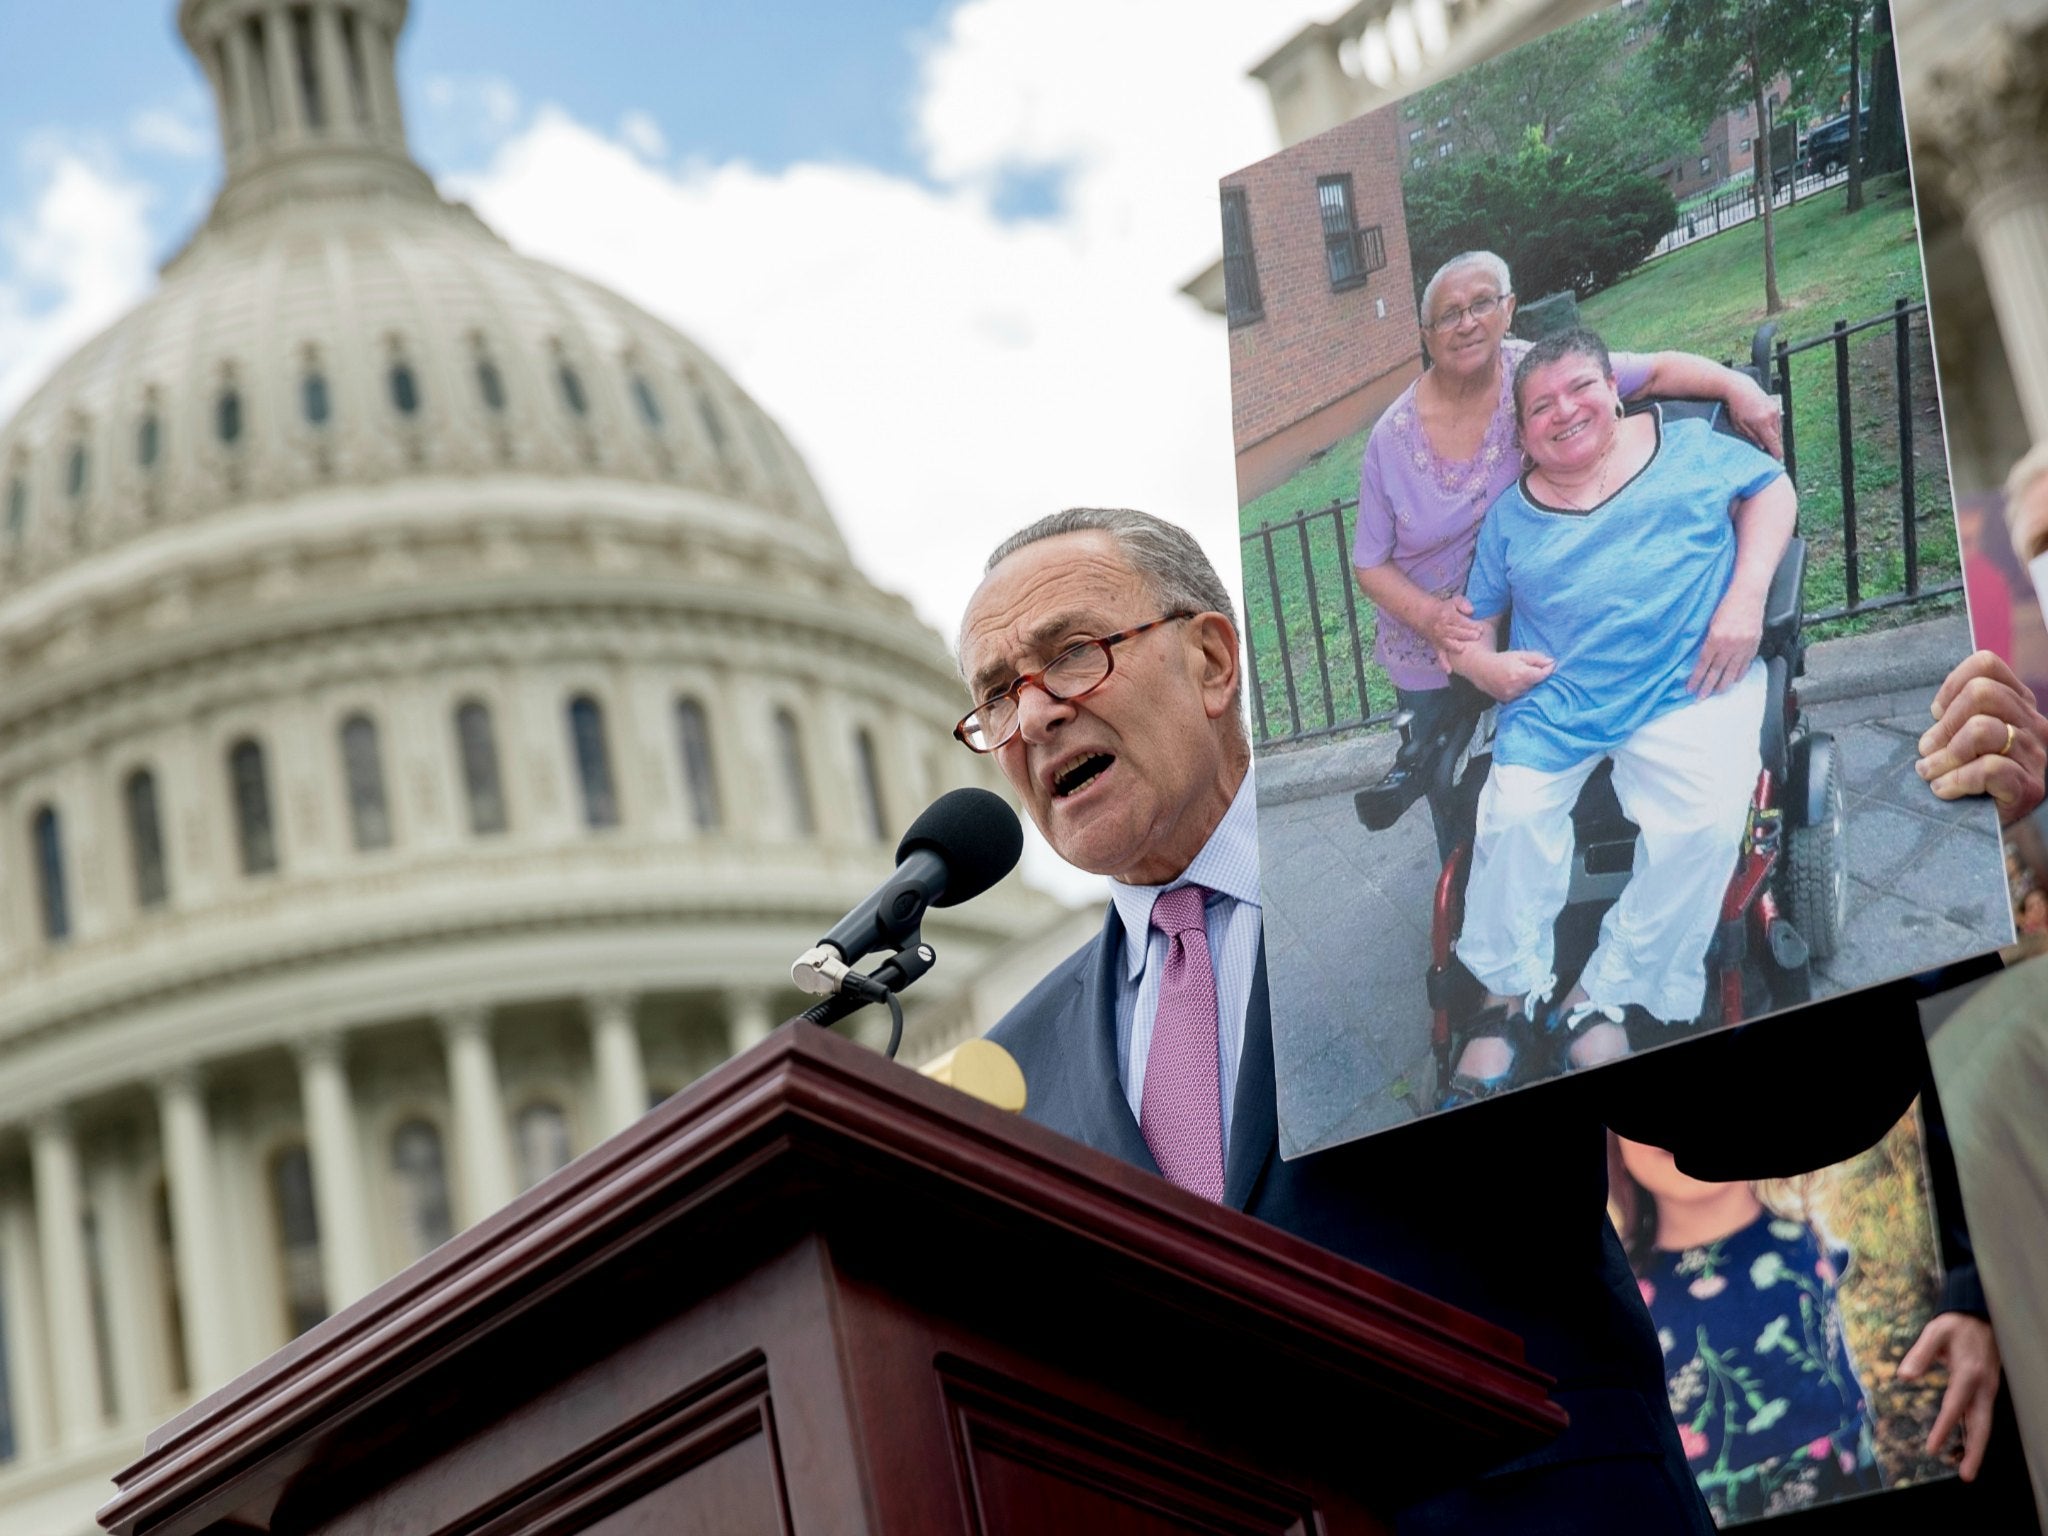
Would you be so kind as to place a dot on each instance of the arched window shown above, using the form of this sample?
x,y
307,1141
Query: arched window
x,y
17,507
700,774
490,384
572,389
643,396
227,416
541,1134
478,748
870,774
363,767
298,1238
421,1173
76,471
49,844
405,390
593,762
148,440
250,784
145,838
313,397
796,784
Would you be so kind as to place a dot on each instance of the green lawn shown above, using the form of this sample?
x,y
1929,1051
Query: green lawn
x,y
1705,298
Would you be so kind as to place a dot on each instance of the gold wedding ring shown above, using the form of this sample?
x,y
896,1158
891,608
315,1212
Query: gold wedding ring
x,y
2012,735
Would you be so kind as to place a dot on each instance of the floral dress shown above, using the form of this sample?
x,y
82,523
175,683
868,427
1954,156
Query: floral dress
x,y
1769,1410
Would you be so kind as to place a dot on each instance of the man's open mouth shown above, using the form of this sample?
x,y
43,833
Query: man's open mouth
x,y
1078,773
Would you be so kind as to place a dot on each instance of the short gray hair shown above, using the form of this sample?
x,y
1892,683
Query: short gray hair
x,y
2032,466
1495,269
1166,556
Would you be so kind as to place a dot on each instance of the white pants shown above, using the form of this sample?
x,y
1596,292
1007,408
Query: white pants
x,y
1686,780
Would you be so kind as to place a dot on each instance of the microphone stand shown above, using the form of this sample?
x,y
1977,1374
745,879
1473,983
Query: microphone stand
x,y
880,985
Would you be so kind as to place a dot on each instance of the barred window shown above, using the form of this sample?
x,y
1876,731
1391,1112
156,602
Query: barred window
x,y
1241,301
1351,253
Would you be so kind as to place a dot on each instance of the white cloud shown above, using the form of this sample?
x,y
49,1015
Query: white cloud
x,y
165,132
486,107
950,376
70,266
643,134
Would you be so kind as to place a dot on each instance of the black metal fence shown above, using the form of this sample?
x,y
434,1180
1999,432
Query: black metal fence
x,y
1732,209
1309,633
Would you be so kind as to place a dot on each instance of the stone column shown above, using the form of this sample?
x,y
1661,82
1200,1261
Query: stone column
x,y
747,1020
337,95
484,1143
348,1258
380,74
1979,131
140,1387
621,1074
286,99
28,1369
240,100
74,1361
202,1291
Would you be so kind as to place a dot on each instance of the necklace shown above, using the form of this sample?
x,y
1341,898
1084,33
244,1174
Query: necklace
x,y
1599,489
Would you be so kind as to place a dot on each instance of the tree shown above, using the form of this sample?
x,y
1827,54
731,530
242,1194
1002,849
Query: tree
x,y
1856,9
1886,149
1581,88
1711,55
1559,220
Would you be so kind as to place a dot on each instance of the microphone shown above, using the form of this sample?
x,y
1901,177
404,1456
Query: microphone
x,y
965,842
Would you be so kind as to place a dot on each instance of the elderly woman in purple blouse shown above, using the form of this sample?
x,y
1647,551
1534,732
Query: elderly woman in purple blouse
x,y
1446,448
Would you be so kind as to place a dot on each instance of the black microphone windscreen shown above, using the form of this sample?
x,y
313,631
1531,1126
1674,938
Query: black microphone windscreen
x,y
975,833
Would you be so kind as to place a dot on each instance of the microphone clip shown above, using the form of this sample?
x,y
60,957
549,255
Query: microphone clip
x,y
853,990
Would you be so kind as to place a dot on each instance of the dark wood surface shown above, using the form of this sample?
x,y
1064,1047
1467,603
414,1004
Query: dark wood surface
x,y
816,1293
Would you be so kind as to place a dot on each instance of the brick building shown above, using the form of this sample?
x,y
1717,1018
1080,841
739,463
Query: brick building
x,y
1320,296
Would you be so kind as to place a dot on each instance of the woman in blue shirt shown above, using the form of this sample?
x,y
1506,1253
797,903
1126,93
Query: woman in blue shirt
x,y
1637,556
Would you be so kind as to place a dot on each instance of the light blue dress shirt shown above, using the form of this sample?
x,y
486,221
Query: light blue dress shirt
x,y
1229,866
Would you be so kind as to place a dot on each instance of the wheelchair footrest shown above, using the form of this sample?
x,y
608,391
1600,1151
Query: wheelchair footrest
x,y
1788,945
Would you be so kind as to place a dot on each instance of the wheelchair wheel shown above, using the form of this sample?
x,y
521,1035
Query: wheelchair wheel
x,y
1817,859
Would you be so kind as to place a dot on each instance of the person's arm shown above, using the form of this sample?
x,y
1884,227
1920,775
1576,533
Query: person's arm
x,y
1501,675
1445,622
1763,527
1687,376
1988,738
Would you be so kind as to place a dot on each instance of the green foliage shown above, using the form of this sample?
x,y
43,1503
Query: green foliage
x,y
1580,89
1710,55
1561,221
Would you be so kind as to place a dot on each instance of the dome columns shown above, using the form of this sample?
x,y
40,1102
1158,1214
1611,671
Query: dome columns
x,y
483,1145
348,1262
203,1294
621,1068
60,1239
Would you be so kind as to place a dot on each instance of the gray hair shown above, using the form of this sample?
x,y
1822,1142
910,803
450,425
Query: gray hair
x,y
1166,556
1495,269
2032,466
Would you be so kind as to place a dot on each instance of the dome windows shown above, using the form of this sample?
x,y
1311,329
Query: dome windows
x,y
145,839
227,415
249,787
369,815
869,773
419,1168
77,471
17,506
313,397
490,384
405,389
796,782
700,774
149,439
593,762
48,838
478,747
572,388
643,396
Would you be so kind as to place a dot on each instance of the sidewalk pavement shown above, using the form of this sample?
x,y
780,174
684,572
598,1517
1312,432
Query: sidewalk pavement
x,y
1347,911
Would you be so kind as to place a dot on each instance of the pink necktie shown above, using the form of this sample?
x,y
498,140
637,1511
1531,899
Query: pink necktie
x,y
1181,1112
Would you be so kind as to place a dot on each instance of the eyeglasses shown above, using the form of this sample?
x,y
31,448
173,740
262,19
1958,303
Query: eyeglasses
x,y
1478,309
1073,674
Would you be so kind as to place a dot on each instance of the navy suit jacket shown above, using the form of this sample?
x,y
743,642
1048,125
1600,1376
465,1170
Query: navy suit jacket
x,y
1500,1209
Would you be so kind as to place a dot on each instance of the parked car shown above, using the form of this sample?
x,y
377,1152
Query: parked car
x,y
1827,147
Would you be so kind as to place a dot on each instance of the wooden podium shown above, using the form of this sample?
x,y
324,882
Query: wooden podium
x,y
816,1293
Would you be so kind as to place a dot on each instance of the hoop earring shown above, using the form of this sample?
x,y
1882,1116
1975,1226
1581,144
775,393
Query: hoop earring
x,y
1619,410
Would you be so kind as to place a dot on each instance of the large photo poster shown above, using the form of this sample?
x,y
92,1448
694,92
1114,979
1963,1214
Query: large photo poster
x,y
1600,563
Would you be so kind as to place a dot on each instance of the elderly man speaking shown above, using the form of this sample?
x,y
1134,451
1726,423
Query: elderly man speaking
x,y
1102,657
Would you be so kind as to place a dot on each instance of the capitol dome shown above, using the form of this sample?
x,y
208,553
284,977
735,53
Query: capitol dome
x,y
440,706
